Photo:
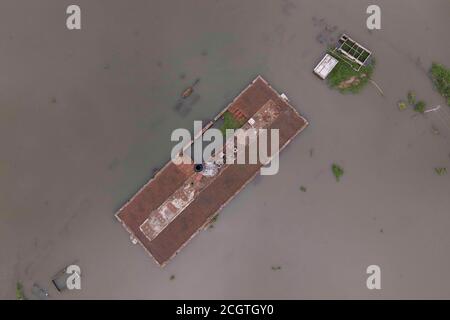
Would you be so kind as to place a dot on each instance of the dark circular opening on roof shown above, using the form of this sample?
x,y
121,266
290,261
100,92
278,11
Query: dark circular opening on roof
x,y
198,167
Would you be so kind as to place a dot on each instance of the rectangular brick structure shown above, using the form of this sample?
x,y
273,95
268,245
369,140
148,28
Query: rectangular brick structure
x,y
178,202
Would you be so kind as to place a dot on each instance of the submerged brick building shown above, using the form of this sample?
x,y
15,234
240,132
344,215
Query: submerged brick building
x,y
178,202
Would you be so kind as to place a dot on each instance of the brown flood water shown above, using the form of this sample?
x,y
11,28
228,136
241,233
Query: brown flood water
x,y
85,117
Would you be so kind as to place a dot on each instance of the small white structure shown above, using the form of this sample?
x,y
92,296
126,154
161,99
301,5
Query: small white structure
x,y
284,97
325,66
133,239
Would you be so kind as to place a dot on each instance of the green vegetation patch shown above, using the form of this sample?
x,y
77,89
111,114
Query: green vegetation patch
x,y
440,171
275,268
411,96
230,122
20,295
440,75
345,78
214,219
402,105
302,188
420,106
337,171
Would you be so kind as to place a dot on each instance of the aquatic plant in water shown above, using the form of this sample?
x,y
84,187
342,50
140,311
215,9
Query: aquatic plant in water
x,y
440,75
402,105
420,107
337,171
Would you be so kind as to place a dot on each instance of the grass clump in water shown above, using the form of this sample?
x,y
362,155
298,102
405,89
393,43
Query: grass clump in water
x,y
440,75
337,171
20,295
420,107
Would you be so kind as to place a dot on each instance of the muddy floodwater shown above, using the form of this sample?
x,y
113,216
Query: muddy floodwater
x,y
86,117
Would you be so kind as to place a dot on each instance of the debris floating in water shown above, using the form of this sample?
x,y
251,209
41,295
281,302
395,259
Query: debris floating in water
x,y
276,268
188,91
